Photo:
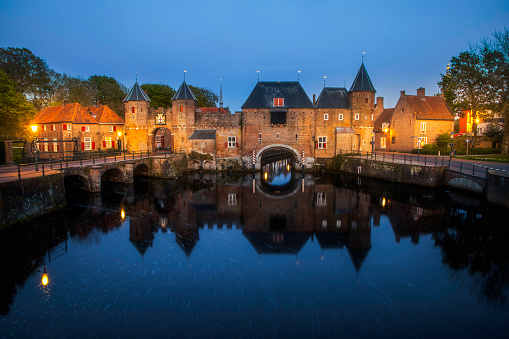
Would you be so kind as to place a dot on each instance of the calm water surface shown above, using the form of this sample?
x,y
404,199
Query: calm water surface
x,y
229,256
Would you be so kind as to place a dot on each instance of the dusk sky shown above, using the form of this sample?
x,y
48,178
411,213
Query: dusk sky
x,y
407,44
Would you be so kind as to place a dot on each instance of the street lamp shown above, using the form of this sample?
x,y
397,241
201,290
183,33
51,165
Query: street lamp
x,y
467,147
34,128
451,144
372,142
418,147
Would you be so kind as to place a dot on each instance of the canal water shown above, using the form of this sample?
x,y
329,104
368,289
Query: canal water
x,y
276,254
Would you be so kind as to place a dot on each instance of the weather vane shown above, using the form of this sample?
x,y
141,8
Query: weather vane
x,y
324,77
298,76
185,75
258,75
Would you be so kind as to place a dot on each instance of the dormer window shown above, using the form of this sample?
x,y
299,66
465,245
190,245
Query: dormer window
x,y
279,102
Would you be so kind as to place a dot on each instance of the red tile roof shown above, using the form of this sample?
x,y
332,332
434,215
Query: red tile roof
x,y
429,108
105,115
74,113
384,117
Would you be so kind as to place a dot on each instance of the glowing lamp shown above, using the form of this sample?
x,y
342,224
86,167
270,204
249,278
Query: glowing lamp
x,y
386,129
122,214
34,128
266,175
383,202
288,167
119,134
45,279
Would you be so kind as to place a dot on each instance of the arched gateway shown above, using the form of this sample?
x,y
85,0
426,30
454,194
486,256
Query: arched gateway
x,y
277,152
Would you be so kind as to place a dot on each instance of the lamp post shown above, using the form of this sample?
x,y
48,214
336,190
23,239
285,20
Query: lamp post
x,y
34,146
372,142
467,147
451,144
418,147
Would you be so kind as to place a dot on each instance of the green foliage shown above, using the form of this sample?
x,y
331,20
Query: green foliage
x,y
74,89
109,92
443,140
30,74
160,95
15,111
494,132
205,97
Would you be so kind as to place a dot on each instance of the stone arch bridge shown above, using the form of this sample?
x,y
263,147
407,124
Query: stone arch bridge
x,y
89,177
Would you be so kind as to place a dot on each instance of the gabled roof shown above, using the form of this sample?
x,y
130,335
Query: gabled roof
x,y
105,115
136,94
264,93
333,97
429,108
384,117
73,113
203,134
184,93
362,82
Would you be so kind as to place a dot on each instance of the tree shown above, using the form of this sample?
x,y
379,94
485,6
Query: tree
x,y
109,92
478,80
74,89
205,97
15,111
30,74
160,95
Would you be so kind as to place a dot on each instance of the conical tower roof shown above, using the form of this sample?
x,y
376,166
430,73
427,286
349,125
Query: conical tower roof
x,y
362,82
136,94
184,93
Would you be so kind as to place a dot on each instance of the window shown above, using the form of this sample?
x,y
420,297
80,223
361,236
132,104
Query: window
x,y
181,108
423,127
66,127
133,110
55,145
423,140
53,127
231,142
277,135
393,140
322,143
107,142
325,117
85,128
113,128
259,137
46,147
232,199
356,116
321,199
383,142
338,223
371,117
296,137
44,127
365,99
324,223
87,142
279,102
278,117
340,116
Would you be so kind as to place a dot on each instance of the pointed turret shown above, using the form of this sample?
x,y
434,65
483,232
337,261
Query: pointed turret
x,y
362,82
136,106
184,93
136,94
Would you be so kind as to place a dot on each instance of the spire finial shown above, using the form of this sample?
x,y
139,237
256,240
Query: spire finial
x,y
185,75
324,77
221,95
136,76
258,75
344,82
363,56
298,76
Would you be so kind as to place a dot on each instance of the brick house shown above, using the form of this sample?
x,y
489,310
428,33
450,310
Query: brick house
x,y
61,130
415,118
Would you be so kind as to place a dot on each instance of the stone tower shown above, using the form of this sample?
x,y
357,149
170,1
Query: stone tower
x,y
362,99
136,105
183,120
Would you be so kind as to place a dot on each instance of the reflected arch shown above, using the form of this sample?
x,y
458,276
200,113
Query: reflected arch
x,y
276,152
112,175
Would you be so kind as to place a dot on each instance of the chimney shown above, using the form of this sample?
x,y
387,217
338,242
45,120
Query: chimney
x,y
402,93
420,92
380,102
97,103
314,99
66,102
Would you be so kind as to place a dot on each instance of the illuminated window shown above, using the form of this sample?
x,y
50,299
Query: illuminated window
x,y
356,116
383,142
181,108
232,199
321,199
324,223
340,116
113,128
53,127
423,127
88,143
107,142
55,145
85,128
325,117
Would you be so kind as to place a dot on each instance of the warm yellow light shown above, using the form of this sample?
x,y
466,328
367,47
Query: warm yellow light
x,y
477,120
44,280
34,128
385,130
383,202
266,175
119,134
122,214
288,167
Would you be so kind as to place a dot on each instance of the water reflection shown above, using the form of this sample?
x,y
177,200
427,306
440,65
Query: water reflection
x,y
330,214
277,173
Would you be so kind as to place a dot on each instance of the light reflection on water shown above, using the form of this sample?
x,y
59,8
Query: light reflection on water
x,y
223,256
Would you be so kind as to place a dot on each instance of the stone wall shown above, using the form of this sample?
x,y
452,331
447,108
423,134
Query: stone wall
x,y
28,198
497,187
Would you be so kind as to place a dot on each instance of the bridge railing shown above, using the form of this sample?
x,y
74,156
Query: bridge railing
x,y
38,166
422,160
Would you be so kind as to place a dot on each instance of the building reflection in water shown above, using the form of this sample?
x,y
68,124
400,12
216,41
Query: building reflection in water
x,y
337,212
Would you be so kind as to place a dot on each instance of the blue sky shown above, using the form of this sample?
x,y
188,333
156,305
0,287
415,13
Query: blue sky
x,y
407,44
